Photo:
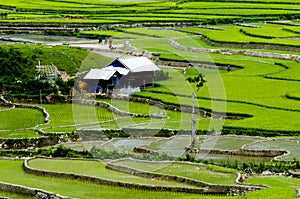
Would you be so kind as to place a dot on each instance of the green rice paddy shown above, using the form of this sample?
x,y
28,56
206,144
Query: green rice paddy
x,y
195,172
263,89
95,169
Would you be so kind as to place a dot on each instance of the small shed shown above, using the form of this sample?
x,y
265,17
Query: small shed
x,y
122,72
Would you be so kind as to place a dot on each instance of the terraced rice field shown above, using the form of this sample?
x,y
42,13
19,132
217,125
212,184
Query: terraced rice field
x,y
13,173
259,96
247,96
91,12
9,121
291,145
175,146
127,144
96,169
225,142
195,172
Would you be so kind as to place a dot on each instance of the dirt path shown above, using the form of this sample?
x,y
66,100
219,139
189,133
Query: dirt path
x,y
110,54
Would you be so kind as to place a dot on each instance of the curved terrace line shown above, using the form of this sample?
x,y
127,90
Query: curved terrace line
x,y
242,151
226,100
241,52
281,79
253,45
8,109
98,180
141,173
24,190
115,110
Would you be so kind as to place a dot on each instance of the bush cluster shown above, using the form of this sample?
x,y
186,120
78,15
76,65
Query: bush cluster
x,y
105,154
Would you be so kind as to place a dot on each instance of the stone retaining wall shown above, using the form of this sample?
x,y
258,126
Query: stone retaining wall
x,y
96,180
43,110
3,102
182,108
144,150
242,52
28,142
38,193
114,109
241,152
71,27
249,46
294,174
211,188
8,109
277,157
131,50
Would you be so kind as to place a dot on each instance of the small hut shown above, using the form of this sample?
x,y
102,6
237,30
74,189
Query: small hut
x,y
129,72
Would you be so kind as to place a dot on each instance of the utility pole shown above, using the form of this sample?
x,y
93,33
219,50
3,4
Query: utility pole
x,y
193,121
39,72
199,80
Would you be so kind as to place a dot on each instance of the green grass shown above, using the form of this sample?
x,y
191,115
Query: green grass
x,y
94,60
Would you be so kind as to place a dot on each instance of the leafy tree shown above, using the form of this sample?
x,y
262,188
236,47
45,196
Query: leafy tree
x,y
14,69
18,74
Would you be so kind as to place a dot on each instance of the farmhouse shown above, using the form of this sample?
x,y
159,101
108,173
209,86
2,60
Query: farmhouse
x,y
128,72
